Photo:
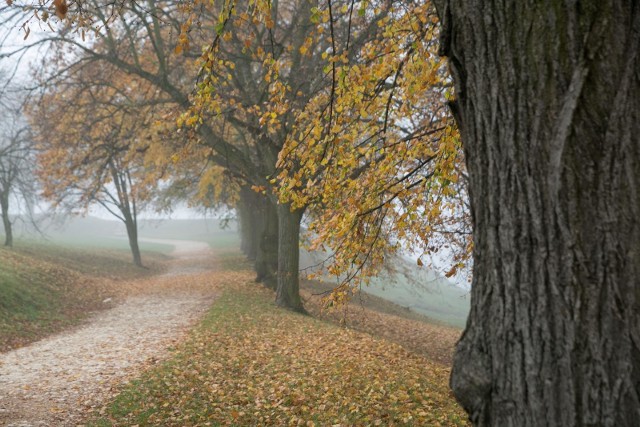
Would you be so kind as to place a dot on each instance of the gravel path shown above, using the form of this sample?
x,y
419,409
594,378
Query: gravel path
x,y
54,381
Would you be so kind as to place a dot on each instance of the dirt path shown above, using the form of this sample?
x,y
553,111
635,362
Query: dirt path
x,y
54,381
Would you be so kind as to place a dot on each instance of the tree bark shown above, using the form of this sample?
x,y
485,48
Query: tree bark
x,y
548,103
266,264
6,220
132,234
250,213
288,291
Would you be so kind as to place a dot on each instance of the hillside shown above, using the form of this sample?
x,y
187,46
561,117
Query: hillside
x,y
45,288
417,289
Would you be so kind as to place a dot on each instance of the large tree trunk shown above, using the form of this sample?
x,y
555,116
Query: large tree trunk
x,y
6,221
288,292
548,102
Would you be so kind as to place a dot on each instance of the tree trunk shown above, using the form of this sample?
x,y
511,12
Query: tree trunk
x,y
548,102
288,292
243,213
266,264
132,233
6,221
249,215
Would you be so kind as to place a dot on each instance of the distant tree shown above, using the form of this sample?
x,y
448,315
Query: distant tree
x,y
89,129
17,160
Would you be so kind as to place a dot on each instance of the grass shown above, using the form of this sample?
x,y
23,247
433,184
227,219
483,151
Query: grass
x,y
422,292
384,319
417,289
250,363
36,298
108,242
98,261
46,288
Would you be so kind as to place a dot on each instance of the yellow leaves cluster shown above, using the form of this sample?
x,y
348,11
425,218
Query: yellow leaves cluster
x,y
183,38
370,150
376,156
61,8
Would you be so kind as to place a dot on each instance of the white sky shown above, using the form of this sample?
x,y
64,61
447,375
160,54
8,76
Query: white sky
x,y
19,65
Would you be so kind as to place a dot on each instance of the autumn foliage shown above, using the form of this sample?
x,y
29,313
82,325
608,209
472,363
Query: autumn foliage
x,y
336,111
351,122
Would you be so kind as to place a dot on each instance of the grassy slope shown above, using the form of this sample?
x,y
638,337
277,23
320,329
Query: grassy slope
x,y
45,288
417,289
421,291
250,363
83,232
31,299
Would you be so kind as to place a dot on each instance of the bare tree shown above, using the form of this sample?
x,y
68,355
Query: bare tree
x,y
17,183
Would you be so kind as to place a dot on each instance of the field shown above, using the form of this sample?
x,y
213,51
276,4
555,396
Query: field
x,y
417,289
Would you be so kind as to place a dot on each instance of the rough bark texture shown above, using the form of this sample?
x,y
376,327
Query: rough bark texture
x,y
6,221
266,264
548,101
288,292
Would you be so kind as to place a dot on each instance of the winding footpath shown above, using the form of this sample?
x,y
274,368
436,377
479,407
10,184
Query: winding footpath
x,y
54,382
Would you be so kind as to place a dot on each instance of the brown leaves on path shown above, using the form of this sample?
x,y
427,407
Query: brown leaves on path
x,y
56,380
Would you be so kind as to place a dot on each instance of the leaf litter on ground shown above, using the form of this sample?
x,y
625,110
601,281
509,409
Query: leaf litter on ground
x,y
252,364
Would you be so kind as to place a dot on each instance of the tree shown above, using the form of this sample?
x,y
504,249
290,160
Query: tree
x,y
89,132
17,156
378,158
548,104
342,98
264,67
270,125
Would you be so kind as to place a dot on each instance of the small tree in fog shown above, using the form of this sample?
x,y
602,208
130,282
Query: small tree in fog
x,y
89,129
17,187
